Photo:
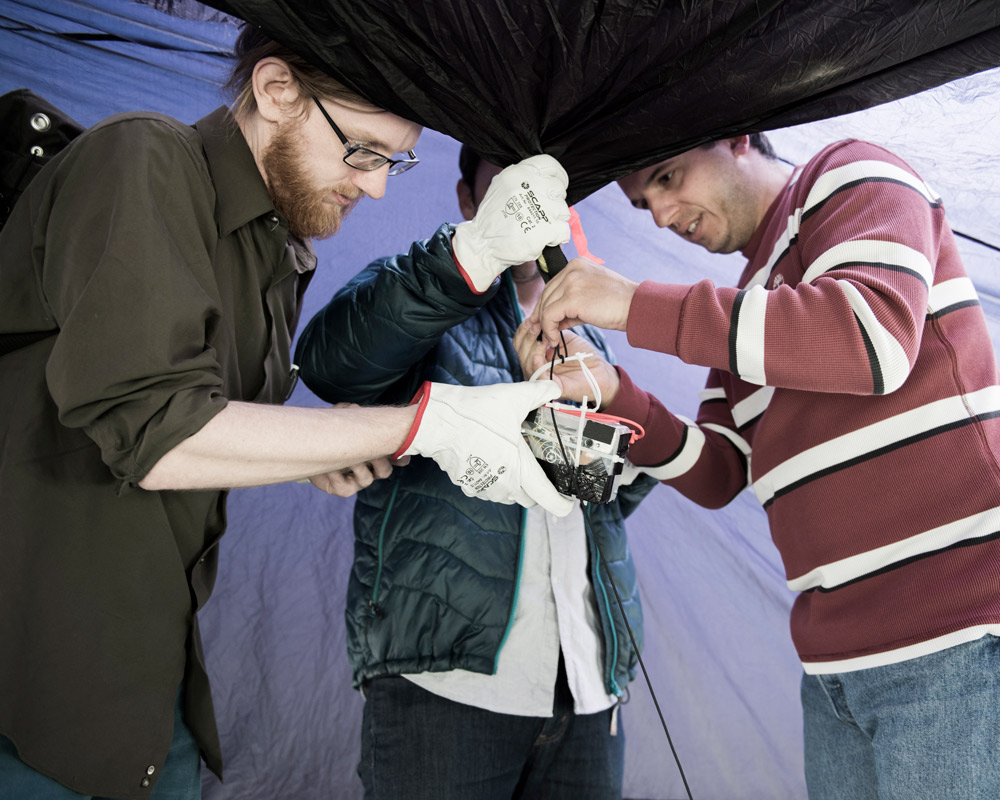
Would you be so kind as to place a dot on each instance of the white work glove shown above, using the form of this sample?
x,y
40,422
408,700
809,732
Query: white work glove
x,y
523,211
474,435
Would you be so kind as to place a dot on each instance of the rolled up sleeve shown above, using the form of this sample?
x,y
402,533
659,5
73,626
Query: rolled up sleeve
x,y
127,276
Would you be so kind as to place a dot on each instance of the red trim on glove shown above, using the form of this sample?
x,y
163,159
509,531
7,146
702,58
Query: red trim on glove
x,y
423,395
463,273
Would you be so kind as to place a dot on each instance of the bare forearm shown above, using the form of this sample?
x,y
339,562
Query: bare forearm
x,y
248,444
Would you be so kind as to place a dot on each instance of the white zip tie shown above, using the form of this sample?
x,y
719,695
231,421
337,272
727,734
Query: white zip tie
x,y
587,373
579,432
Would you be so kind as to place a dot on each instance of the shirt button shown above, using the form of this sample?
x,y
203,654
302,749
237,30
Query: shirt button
x,y
144,783
150,769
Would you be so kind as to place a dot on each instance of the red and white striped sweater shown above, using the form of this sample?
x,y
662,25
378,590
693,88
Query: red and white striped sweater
x,y
853,385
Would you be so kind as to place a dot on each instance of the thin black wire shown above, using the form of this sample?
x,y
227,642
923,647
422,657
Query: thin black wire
x,y
977,241
614,587
635,647
552,411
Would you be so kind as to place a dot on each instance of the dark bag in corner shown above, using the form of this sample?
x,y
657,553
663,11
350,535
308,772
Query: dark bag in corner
x,y
32,130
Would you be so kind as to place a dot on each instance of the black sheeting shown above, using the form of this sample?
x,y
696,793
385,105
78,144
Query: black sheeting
x,y
609,86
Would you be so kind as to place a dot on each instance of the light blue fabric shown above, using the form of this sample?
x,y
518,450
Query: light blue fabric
x,y
96,58
923,729
717,646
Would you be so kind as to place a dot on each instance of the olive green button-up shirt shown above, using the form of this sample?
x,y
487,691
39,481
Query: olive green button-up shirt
x,y
152,253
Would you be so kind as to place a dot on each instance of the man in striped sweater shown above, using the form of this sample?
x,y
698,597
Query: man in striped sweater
x,y
853,387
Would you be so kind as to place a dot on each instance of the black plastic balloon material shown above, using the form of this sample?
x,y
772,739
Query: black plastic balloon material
x,y
611,86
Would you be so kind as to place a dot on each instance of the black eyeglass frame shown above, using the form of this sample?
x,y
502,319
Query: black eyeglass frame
x,y
403,163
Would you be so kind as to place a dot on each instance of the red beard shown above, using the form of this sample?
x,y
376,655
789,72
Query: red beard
x,y
295,196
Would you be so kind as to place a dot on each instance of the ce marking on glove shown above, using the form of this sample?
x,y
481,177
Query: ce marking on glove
x,y
526,209
513,207
478,475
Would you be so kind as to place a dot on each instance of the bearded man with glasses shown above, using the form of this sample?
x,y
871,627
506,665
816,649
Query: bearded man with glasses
x,y
150,285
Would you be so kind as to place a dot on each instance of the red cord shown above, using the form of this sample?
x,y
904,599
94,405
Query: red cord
x,y
637,433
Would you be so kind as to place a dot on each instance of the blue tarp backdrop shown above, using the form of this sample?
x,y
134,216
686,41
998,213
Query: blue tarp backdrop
x,y
717,646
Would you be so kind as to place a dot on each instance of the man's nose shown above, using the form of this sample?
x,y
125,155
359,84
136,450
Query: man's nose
x,y
372,182
664,214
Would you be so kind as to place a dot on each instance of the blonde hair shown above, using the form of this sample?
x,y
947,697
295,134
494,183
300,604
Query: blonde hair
x,y
253,45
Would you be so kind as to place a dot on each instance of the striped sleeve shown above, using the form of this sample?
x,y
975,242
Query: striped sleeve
x,y
839,300
705,460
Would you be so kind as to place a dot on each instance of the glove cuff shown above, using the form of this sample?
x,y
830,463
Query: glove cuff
x,y
469,252
423,397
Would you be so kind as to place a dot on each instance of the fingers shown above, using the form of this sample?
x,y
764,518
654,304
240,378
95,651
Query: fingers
x,y
548,166
523,211
531,353
583,292
561,234
534,354
338,484
553,317
543,391
549,312
523,337
537,486
381,468
351,480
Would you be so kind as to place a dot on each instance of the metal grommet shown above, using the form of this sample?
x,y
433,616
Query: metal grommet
x,y
37,151
40,121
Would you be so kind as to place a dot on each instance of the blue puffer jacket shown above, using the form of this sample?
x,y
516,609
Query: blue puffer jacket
x,y
434,580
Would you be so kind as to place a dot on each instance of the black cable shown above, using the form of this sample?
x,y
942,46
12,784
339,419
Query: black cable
x,y
977,241
635,647
611,580
552,411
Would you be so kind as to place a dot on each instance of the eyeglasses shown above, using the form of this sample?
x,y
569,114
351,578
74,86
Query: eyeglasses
x,y
365,159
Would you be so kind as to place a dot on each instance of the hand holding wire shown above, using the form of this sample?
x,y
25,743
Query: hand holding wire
x,y
567,369
583,292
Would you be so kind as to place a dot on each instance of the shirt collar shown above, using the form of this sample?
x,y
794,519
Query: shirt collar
x,y
302,254
750,250
241,194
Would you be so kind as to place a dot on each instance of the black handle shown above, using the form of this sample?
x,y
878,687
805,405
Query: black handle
x,y
551,261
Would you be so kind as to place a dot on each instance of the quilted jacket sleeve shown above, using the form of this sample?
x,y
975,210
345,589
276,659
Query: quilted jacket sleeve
x,y
368,344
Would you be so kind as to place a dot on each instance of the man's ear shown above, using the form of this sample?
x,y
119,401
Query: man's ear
x,y
740,145
465,202
275,89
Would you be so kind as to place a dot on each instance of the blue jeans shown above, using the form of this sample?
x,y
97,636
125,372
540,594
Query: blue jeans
x,y
179,780
925,729
419,746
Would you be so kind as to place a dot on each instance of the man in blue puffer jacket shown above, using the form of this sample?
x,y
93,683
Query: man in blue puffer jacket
x,y
485,637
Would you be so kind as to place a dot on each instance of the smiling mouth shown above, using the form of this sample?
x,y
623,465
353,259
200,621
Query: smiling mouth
x,y
691,227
